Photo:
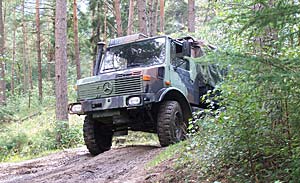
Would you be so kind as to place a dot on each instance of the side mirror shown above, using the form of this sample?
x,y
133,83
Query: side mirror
x,y
99,56
186,49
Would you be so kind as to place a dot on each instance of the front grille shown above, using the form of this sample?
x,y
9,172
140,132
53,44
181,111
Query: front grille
x,y
120,86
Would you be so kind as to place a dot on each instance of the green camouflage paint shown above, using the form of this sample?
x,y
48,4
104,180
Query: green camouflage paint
x,y
111,90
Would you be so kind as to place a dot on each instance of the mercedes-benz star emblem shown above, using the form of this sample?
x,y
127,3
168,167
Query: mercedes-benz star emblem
x,y
107,88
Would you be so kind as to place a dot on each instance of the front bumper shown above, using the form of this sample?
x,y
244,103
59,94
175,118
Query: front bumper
x,y
116,102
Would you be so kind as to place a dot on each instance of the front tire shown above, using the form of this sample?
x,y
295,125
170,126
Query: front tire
x,y
171,126
97,136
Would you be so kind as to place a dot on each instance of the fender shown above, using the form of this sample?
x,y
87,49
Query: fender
x,y
173,93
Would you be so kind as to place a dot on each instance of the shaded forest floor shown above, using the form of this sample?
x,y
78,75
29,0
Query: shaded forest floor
x,y
122,164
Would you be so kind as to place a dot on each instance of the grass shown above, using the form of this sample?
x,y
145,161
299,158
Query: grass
x,y
18,158
36,137
169,153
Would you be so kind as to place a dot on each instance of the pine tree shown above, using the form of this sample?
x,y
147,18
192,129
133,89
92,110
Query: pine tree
x,y
61,91
76,41
191,15
38,49
142,16
2,68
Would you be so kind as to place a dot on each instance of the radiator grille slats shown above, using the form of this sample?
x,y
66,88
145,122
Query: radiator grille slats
x,y
120,86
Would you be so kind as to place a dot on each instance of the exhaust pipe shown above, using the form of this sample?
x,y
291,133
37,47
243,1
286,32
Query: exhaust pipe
x,y
99,57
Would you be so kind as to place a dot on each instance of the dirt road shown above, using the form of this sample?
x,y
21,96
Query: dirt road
x,y
125,164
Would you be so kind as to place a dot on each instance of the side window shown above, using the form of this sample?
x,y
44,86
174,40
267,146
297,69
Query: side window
x,y
177,56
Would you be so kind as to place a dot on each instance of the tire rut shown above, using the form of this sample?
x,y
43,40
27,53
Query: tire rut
x,y
126,164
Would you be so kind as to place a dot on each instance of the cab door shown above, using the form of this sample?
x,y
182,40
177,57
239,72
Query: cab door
x,y
180,74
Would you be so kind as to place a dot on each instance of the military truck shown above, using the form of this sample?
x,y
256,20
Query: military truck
x,y
141,83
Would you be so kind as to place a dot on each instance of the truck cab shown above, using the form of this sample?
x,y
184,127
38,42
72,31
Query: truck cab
x,y
142,84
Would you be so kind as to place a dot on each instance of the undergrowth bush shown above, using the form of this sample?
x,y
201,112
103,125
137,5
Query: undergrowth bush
x,y
254,136
35,136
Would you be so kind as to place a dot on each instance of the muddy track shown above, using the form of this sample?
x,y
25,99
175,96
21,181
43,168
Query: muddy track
x,y
125,164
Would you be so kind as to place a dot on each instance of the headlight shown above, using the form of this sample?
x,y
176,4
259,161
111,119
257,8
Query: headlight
x,y
77,108
134,101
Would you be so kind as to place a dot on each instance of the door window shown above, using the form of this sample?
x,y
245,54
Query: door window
x,y
177,56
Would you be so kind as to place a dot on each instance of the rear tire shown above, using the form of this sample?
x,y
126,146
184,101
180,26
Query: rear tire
x,y
171,126
97,136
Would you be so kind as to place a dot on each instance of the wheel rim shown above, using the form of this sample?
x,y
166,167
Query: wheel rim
x,y
178,126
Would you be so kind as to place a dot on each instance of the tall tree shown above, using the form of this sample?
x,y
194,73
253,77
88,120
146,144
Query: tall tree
x,y
105,23
77,53
95,7
25,56
2,71
38,49
191,16
12,82
162,15
142,16
155,7
27,71
130,17
151,16
118,17
61,90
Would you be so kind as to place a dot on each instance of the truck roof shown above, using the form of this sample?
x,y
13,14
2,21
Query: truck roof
x,y
140,36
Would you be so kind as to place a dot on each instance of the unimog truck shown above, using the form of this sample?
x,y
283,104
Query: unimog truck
x,y
140,83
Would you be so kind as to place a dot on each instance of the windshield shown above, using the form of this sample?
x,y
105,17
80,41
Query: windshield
x,y
137,54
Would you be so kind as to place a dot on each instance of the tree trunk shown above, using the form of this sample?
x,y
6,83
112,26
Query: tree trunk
x,y
150,16
118,17
155,17
105,23
162,15
38,48
28,85
61,90
49,60
96,19
130,17
25,58
12,82
2,68
50,46
77,53
142,16
191,16
93,40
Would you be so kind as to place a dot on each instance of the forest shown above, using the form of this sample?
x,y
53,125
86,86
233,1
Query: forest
x,y
253,135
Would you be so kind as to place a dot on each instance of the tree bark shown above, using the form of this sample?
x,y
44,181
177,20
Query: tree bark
x,y
191,16
155,17
25,58
96,19
77,53
130,17
118,17
12,82
142,16
50,45
38,48
2,68
105,23
61,90
27,71
162,15
150,16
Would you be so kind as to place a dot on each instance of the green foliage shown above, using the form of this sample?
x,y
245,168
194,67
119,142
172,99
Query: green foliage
x,y
36,136
170,152
255,136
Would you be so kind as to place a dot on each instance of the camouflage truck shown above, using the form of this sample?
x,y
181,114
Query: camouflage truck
x,y
142,84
